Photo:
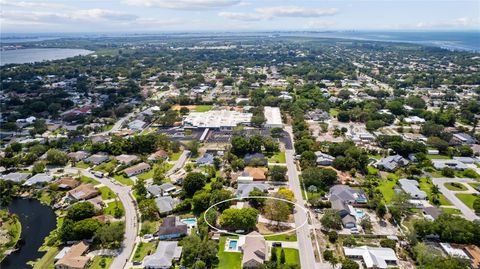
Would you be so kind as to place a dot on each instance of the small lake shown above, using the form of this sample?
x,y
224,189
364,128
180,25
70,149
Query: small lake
x,y
22,56
38,220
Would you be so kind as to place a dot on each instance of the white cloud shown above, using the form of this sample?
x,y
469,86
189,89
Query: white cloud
x,y
102,14
35,5
463,22
183,4
292,11
280,11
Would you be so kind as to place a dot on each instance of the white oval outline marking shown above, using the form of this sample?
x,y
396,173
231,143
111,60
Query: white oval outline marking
x,y
256,197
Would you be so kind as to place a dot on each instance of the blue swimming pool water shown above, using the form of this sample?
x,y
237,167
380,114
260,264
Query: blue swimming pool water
x,y
232,244
190,221
360,213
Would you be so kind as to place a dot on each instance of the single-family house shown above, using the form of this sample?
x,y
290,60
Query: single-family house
x,y
324,159
137,169
255,250
391,163
206,159
454,164
373,257
165,255
410,186
346,213
171,227
38,179
158,155
82,192
73,257
463,138
77,156
136,125
431,212
161,190
96,159
347,194
126,159
165,204
243,190
67,183
257,173
16,177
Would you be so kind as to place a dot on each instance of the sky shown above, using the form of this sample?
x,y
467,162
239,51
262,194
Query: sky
x,y
45,16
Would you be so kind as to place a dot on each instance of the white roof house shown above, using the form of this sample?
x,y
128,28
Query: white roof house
x,y
273,116
454,164
455,252
414,119
411,187
373,257
38,178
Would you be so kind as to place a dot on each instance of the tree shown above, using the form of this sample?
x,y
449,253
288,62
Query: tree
x,y
158,174
257,202
399,205
38,167
274,257
56,157
84,229
328,255
448,172
331,220
276,132
221,195
239,219
193,182
319,177
140,189
332,236
366,223
476,206
110,235
343,116
349,264
388,243
193,147
277,173
201,201
194,249
282,256
80,211
148,209
276,210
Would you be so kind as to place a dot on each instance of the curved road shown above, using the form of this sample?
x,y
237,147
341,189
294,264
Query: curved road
x,y
131,222
467,212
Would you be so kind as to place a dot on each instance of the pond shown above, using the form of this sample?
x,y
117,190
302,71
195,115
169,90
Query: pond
x,y
21,56
38,220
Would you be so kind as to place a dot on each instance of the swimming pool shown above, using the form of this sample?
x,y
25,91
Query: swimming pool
x,y
232,244
191,222
359,213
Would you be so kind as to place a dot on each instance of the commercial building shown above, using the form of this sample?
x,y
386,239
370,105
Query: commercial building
x,y
273,116
217,119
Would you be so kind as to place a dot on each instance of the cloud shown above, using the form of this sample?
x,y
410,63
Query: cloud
x,y
292,11
102,14
280,11
313,24
35,5
183,4
463,22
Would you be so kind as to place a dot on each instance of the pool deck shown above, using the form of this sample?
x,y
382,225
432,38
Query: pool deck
x,y
240,242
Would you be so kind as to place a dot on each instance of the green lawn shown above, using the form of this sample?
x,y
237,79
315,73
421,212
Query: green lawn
x,y
110,209
82,165
291,256
455,186
47,261
96,262
450,210
228,260
144,249
175,156
146,175
106,167
467,198
292,237
87,180
474,185
107,193
333,112
278,158
386,188
124,180
426,186
372,170
203,108
149,227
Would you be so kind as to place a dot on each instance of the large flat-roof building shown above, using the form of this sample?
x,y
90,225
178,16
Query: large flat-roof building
x,y
273,116
217,119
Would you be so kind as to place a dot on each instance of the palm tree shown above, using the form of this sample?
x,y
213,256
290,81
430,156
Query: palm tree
x,y
333,261
435,190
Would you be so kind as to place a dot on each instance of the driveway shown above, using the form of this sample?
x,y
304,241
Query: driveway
x,y
467,212
179,163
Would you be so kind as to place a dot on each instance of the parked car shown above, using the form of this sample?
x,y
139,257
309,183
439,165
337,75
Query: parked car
x,y
277,244
98,174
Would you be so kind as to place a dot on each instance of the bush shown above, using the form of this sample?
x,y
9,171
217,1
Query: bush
x,y
388,243
448,172
332,236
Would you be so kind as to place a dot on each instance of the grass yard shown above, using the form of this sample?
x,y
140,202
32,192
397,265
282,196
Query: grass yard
x,y
87,180
146,175
228,260
124,180
426,186
106,167
450,210
291,256
203,108
48,259
107,193
467,198
455,186
149,227
82,165
474,185
111,208
175,156
372,170
144,249
292,237
386,188
333,112
98,261
278,158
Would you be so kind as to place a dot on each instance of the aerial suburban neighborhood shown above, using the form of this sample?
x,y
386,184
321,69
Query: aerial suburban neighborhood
x,y
198,151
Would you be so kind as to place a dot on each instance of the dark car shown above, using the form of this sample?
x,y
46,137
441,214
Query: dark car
x,y
277,244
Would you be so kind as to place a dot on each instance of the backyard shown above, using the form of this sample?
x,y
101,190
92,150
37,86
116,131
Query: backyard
x,y
291,256
277,158
228,260
144,249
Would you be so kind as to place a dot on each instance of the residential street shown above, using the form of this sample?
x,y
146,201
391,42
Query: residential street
x,y
131,222
303,233
450,195
179,163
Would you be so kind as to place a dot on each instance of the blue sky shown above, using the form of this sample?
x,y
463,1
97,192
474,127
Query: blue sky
x,y
236,15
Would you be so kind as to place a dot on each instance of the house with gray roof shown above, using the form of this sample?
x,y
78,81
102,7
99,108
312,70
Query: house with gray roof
x,y
391,163
454,164
165,204
97,159
347,194
324,159
38,179
411,187
16,177
165,255
161,190
243,190
171,227
206,159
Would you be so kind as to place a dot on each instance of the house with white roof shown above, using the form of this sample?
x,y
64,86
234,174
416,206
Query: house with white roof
x,y
373,257
411,187
273,117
